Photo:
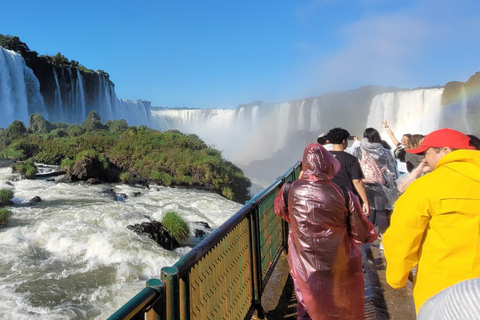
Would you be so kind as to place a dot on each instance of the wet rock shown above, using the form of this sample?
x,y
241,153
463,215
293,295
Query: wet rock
x,y
86,168
35,199
199,233
51,179
93,181
136,194
111,194
157,232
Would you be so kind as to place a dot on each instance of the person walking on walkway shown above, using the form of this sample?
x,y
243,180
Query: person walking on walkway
x,y
436,222
326,226
380,173
350,174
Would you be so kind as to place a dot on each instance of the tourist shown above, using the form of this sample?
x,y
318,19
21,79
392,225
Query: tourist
x,y
435,224
323,254
400,150
323,140
413,160
378,166
350,174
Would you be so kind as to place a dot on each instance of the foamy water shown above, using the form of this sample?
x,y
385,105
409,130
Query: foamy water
x,y
71,256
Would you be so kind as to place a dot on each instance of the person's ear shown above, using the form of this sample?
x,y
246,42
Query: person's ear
x,y
447,150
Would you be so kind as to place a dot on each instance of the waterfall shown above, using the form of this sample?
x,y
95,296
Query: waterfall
x,y
19,89
414,111
251,132
80,99
68,102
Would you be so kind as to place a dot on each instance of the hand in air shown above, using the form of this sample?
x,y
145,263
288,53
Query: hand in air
x,y
385,123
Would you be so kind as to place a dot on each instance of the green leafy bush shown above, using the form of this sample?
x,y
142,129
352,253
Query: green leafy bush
x,y
4,215
67,164
26,168
168,158
6,196
176,226
16,130
125,177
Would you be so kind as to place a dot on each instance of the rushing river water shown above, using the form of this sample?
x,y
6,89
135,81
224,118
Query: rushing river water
x,y
71,256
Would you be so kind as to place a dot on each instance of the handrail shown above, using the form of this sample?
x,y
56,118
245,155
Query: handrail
x,y
146,301
224,275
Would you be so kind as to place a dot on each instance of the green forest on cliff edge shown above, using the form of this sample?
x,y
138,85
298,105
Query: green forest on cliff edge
x,y
168,158
13,43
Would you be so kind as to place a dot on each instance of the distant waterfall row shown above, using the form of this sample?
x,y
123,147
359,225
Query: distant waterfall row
x,y
252,132
259,130
66,95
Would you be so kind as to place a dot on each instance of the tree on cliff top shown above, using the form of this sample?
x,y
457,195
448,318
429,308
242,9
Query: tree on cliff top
x,y
93,122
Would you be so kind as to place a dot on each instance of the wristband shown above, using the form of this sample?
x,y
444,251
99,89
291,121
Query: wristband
x,y
387,127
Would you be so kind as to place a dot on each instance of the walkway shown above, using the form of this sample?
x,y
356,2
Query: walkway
x,y
381,301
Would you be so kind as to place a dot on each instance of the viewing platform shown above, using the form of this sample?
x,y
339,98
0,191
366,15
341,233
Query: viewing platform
x,y
381,300
241,272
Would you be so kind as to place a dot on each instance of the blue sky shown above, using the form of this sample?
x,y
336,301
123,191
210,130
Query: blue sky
x,y
219,54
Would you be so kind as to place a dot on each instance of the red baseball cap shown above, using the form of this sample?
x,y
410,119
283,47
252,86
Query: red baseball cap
x,y
444,138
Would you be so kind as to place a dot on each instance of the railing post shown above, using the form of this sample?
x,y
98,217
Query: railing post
x,y
170,276
158,308
256,261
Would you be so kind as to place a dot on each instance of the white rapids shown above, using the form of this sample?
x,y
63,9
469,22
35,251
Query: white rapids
x,y
71,256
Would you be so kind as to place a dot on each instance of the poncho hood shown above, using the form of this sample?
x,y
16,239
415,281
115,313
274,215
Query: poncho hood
x,y
318,163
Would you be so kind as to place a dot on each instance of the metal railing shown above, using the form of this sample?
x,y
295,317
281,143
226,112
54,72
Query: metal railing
x,y
224,276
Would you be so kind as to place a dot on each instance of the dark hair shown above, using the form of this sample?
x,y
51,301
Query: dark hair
x,y
474,141
337,135
385,144
322,140
372,135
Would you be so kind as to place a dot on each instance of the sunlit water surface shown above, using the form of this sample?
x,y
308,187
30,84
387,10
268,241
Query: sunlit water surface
x,y
71,256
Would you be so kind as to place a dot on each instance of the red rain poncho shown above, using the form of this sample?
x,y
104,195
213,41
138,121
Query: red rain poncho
x,y
324,258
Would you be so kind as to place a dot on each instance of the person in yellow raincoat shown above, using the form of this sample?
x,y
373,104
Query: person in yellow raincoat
x,y
436,222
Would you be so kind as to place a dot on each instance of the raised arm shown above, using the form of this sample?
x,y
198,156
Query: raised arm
x,y
390,133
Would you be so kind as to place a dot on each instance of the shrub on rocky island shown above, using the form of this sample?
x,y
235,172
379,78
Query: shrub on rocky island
x,y
6,196
125,153
176,226
4,215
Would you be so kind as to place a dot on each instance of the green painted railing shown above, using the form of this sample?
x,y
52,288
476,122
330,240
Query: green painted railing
x,y
224,276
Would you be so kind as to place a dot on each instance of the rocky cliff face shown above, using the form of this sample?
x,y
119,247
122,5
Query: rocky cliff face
x,y
62,90
461,101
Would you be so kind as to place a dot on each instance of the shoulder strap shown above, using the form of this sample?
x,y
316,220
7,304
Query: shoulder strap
x,y
346,195
286,188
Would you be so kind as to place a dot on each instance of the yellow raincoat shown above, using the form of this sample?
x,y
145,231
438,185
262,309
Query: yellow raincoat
x,y
436,225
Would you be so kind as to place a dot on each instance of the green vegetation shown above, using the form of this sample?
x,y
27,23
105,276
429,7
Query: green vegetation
x,y
13,43
125,152
4,215
176,226
26,168
6,196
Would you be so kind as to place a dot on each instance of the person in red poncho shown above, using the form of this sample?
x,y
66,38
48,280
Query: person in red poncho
x,y
324,258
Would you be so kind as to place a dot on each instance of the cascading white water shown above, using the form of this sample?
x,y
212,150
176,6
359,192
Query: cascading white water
x,y
71,256
19,89
252,132
80,98
413,111
20,96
